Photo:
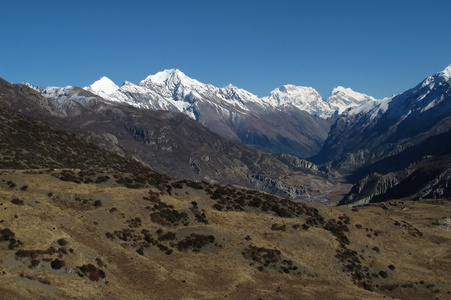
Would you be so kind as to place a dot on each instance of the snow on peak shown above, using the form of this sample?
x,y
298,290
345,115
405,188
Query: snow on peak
x,y
343,98
128,83
103,85
36,88
292,94
231,92
301,97
169,78
430,82
446,73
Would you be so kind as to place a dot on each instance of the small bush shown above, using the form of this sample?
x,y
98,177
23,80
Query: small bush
x,y
35,263
57,264
277,227
17,201
62,242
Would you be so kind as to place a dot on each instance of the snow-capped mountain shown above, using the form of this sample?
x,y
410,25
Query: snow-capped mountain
x,y
38,89
301,97
343,98
382,128
289,123
173,90
292,119
104,87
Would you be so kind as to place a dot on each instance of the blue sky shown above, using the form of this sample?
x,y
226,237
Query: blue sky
x,y
376,47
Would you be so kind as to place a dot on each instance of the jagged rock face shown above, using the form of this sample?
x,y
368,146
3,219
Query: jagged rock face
x,y
299,163
444,223
439,187
421,171
428,178
277,187
369,187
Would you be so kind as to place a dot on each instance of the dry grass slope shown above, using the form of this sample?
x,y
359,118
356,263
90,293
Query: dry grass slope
x,y
135,236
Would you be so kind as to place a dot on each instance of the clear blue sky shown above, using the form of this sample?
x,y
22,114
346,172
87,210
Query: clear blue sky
x,y
375,47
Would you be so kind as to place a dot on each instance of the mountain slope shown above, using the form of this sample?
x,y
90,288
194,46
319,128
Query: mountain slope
x,y
379,129
397,147
421,171
28,144
95,235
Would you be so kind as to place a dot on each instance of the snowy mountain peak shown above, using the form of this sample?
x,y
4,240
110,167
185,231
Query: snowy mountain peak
x,y
171,89
340,89
343,98
127,83
439,77
169,78
301,97
36,88
231,92
104,84
446,73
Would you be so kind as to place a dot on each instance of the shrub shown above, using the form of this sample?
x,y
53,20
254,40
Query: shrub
x,y
92,272
23,253
57,264
17,201
195,242
168,236
62,242
277,227
35,263
217,206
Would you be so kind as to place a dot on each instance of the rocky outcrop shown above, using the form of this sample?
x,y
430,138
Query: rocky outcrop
x,y
298,162
439,187
427,178
278,187
369,187
444,223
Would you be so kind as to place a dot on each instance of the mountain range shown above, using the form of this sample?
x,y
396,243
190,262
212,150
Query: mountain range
x,y
349,135
292,119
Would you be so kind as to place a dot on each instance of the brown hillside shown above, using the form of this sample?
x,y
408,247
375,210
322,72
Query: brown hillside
x,y
124,236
